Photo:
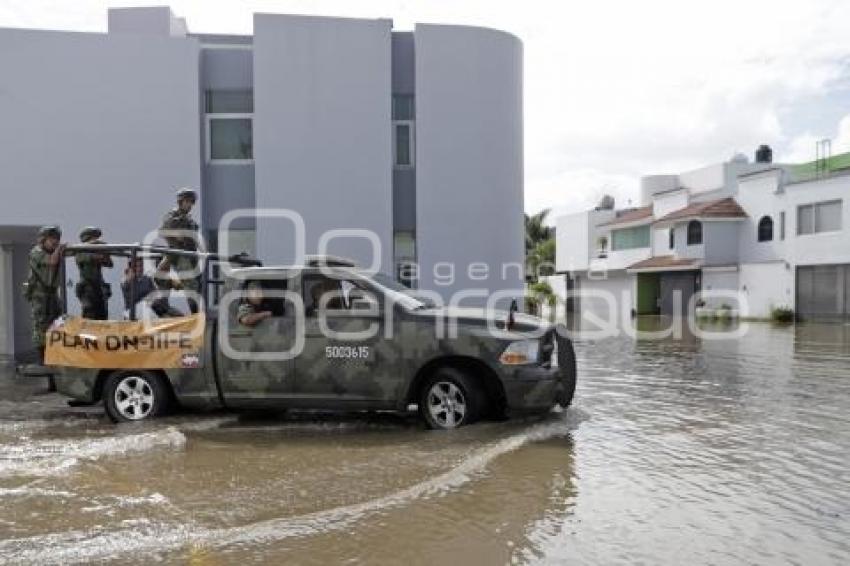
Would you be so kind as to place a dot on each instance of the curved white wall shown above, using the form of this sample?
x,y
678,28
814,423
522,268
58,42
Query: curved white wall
x,y
469,151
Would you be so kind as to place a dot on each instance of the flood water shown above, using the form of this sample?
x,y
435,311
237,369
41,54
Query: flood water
x,y
675,452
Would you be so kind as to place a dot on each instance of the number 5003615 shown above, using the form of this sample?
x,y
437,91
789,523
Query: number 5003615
x,y
348,352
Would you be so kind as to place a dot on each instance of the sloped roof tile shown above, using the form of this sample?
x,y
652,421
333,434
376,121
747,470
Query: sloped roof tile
x,y
642,213
720,208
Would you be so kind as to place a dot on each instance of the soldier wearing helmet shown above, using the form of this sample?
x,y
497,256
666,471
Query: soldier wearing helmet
x,y
180,231
43,284
92,291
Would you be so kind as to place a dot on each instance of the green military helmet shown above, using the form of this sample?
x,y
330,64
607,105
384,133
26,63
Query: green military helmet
x,y
50,231
90,233
187,193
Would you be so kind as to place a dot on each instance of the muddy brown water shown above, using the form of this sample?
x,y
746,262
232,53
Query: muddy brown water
x,y
675,452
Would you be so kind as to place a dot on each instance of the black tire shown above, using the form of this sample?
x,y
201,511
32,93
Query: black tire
x,y
449,399
567,365
130,396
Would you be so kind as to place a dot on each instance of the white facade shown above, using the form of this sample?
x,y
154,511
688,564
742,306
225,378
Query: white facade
x,y
729,264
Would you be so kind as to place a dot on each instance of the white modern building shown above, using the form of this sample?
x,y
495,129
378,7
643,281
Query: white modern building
x,y
413,136
751,235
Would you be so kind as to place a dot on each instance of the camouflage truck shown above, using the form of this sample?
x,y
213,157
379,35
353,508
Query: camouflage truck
x,y
341,339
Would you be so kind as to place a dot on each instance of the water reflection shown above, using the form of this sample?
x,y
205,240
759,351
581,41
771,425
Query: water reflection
x,y
677,451
724,450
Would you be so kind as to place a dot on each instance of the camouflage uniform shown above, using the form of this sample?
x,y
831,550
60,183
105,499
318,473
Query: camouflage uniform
x,y
42,288
177,220
92,291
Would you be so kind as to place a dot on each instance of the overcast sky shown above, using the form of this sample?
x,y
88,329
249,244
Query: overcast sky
x,y
613,90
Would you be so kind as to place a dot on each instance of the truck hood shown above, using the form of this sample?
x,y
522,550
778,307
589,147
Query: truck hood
x,y
480,317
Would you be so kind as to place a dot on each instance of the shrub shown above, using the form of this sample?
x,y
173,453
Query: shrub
x,y
782,314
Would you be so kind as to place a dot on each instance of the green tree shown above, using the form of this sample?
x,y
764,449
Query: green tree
x,y
539,245
539,294
536,229
540,260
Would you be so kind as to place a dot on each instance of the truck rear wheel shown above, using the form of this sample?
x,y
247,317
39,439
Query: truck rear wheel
x,y
135,396
449,399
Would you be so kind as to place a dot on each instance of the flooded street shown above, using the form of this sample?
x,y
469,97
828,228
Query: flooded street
x,y
674,452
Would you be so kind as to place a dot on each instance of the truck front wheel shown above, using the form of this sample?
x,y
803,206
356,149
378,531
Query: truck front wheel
x,y
135,396
449,399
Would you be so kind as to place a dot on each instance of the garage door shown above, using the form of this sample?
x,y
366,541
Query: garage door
x,y
823,291
676,291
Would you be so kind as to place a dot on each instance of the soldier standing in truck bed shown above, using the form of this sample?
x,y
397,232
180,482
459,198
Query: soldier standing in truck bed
x,y
180,230
42,286
92,291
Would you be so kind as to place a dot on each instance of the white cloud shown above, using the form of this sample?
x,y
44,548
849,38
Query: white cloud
x,y
802,147
613,90
841,141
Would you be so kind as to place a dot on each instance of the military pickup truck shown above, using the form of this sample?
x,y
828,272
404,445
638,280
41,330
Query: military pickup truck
x,y
333,337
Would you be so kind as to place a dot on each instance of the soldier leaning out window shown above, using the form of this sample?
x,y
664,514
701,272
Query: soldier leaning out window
x,y
253,308
262,300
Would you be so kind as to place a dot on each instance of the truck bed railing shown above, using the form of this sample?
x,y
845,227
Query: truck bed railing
x,y
143,251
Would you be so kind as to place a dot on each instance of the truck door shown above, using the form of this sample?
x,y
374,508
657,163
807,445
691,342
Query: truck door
x,y
251,370
343,365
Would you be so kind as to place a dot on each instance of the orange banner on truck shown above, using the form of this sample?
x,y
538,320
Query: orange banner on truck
x,y
126,344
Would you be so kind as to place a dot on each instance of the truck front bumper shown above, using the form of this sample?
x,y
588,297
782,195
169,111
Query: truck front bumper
x,y
534,389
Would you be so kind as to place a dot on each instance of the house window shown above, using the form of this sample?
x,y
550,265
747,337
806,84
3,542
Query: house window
x,y
229,102
694,233
404,130
403,144
403,107
819,217
671,235
782,225
404,252
230,138
630,238
765,229
229,126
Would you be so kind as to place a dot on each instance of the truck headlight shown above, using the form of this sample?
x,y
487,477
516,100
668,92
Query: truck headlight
x,y
520,352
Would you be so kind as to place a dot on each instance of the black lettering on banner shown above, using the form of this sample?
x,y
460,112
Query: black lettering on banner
x,y
72,341
113,342
131,342
185,343
55,336
90,343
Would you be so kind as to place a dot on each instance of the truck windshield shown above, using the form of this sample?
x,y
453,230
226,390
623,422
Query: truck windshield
x,y
399,293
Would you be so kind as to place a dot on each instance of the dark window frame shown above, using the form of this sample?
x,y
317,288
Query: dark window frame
x,y
341,301
764,232
694,233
